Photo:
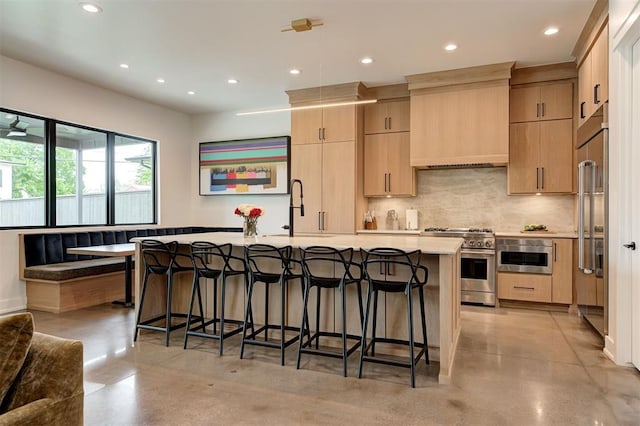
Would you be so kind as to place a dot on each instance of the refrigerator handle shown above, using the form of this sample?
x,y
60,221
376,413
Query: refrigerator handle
x,y
581,213
592,238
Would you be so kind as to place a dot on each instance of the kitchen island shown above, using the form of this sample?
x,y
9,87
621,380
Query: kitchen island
x,y
442,293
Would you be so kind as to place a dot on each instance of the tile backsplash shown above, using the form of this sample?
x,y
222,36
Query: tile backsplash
x,y
477,197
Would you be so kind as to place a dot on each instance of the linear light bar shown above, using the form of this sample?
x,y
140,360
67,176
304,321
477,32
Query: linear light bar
x,y
334,104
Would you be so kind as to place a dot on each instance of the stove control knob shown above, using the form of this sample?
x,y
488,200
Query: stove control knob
x,y
488,244
472,243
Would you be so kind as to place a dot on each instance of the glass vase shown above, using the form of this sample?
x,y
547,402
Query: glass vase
x,y
250,228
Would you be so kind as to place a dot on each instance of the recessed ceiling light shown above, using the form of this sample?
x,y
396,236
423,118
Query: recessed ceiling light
x,y
366,60
91,7
294,71
232,81
191,92
125,66
451,47
551,31
160,80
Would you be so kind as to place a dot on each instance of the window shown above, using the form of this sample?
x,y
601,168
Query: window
x,y
133,172
60,174
22,159
81,176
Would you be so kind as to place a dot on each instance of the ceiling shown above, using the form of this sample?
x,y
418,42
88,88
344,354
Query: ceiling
x,y
197,45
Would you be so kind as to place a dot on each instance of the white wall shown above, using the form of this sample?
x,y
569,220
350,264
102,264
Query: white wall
x,y
217,210
27,88
622,34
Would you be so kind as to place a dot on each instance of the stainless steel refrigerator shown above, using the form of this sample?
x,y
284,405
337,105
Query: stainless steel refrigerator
x,y
591,281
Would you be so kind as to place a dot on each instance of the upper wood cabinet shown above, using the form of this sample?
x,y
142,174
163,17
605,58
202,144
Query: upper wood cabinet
x,y
460,125
541,157
593,76
386,165
541,102
318,125
387,116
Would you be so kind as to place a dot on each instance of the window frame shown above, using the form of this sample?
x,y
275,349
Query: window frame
x,y
50,174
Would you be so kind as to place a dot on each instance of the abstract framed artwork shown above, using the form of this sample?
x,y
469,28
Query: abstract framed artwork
x,y
246,166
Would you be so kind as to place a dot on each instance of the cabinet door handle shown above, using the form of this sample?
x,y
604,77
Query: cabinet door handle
x,y
582,109
555,252
542,177
524,288
389,123
324,228
389,182
537,178
385,123
319,133
319,221
595,94
385,182
542,109
324,135
537,110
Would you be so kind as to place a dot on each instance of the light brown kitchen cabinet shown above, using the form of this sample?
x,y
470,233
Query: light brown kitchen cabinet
x,y
562,277
466,124
387,116
386,165
541,157
318,125
593,77
328,172
525,287
554,288
541,102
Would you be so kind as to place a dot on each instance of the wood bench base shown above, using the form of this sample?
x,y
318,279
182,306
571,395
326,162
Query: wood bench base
x,y
69,295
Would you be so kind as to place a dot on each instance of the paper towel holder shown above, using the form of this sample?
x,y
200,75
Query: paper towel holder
x,y
411,219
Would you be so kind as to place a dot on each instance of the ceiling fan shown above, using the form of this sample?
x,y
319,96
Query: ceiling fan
x,y
16,128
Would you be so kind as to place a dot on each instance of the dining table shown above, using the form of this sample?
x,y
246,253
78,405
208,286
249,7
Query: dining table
x,y
126,250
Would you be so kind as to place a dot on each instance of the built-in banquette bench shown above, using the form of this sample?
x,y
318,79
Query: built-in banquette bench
x,y
57,281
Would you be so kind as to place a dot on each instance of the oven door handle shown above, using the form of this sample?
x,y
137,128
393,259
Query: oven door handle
x,y
483,253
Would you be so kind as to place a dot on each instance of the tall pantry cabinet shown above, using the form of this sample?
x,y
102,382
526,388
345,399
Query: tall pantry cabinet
x,y
326,155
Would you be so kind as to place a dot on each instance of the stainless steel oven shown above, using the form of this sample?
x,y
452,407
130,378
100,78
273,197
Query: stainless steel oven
x,y
477,263
533,256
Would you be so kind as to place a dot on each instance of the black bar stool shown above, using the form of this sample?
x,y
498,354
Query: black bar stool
x,y
401,273
214,262
269,265
163,259
328,268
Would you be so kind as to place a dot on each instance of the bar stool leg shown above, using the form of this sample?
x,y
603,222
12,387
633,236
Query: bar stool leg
x,y
305,300
424,324
246,319
411,342
141,304
168,314
283,292
375,321
196,283
343,296
365,322
215,306
223,288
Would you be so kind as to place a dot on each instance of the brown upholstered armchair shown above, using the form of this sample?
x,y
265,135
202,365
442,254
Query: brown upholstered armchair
x,y
40,376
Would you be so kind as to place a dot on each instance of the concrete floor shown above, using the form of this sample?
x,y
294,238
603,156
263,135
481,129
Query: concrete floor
x,y
512,367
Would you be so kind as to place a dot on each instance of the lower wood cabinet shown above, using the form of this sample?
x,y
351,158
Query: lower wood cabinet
x,y
554,288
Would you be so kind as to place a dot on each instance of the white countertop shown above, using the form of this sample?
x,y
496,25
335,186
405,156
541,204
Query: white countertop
x,y
536,234
389,231
428,245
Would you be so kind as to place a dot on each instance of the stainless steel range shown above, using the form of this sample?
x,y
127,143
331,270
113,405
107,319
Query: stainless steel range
x,y
478,265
